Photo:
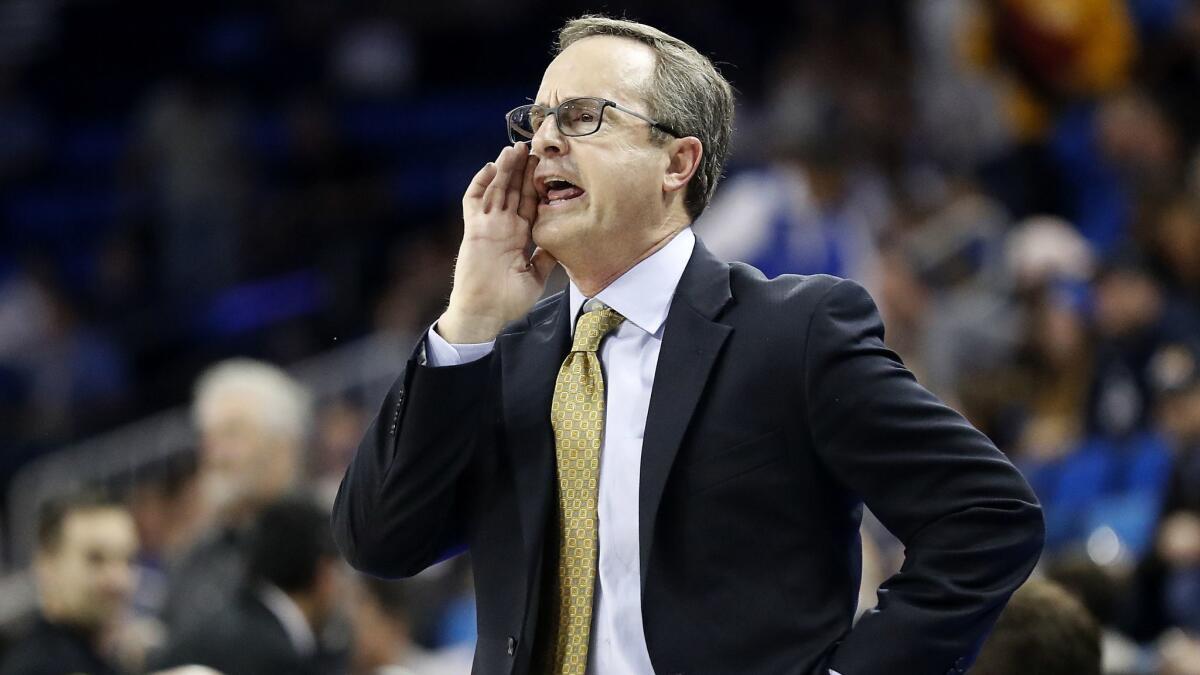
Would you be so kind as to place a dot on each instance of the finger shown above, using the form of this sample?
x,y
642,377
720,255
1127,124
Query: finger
x,y
512,197
480,181
528,206
542,263
493,196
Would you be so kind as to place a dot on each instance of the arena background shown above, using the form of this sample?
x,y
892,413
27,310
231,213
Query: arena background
x,y
1016,181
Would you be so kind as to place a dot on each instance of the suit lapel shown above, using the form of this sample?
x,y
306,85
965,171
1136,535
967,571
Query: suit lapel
x,y
530,362
692,341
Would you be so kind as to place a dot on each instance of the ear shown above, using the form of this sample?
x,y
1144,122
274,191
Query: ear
x,y
683,160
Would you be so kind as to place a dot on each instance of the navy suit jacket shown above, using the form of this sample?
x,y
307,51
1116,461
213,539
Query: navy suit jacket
x,y
776,411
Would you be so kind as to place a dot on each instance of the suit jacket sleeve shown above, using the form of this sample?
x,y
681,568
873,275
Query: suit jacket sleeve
x,y
400,505
971,526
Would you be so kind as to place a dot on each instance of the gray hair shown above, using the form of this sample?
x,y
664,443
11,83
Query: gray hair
x,y
282,404
686,93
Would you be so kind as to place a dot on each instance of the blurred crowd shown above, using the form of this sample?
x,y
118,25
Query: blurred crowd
x,y
1017,182
228,562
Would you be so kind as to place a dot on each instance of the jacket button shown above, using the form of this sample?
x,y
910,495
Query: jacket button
x,y
512,645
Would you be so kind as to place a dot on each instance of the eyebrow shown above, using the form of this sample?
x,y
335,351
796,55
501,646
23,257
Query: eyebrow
x,y
562,98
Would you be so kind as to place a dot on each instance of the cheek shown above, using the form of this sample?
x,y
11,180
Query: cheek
x,y
620,166
630,186
79,587
227,453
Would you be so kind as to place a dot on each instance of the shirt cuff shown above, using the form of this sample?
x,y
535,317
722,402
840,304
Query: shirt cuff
x,y
439,353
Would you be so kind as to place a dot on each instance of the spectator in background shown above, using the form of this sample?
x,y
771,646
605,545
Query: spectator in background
x,y
1171,69
957,115
1100,588
253,423
383,635
1033,404
814,208
72,377
290,592
1133,319
1166,591
1043,631
340,424
1140,143
1048,61
1179,655
164,502
416,289
1175,246
954,241
1050,54
189,149
328,199
84,571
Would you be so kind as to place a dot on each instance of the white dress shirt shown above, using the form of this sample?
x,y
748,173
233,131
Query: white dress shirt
x,y
629,356
288,613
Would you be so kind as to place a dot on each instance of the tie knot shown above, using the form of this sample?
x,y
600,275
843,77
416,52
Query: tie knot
x,y
592,326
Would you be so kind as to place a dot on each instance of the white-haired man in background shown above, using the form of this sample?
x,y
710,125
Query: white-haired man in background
x,y
252,419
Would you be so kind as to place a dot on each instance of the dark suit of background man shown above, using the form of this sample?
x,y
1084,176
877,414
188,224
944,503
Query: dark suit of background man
x,y
745,423
273,622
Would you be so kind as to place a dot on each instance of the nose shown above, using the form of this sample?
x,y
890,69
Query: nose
x,y
547,140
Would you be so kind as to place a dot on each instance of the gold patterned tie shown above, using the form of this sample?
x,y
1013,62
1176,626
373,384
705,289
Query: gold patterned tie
x,y
577,415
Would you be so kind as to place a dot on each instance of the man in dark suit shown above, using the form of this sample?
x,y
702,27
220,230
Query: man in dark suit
x,y
662,469
84,569
274,622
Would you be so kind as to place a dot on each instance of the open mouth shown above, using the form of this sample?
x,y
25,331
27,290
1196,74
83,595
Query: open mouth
x,y
559,191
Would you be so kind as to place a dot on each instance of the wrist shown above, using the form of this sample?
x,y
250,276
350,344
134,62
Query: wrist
x,y
467,329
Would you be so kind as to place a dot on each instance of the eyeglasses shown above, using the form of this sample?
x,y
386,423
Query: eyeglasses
x,y
574,116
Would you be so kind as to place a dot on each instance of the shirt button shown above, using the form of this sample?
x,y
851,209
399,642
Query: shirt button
x,y
512,645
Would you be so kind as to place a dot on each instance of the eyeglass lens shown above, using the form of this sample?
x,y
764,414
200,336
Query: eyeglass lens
x,y
576,117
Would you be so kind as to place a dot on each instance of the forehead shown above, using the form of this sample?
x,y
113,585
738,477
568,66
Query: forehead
x,y
236,405
602,65
106,529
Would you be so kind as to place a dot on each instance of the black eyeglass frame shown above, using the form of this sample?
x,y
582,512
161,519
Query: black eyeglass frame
x,y
516,134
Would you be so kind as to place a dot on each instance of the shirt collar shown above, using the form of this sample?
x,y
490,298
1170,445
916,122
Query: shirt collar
x,y
643,294
289,615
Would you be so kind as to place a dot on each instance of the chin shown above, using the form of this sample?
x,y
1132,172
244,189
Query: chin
x,y
553,232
